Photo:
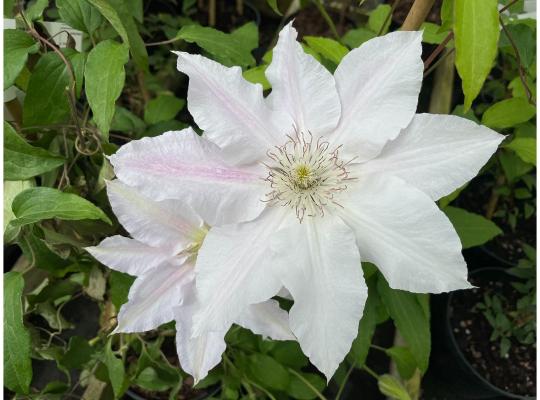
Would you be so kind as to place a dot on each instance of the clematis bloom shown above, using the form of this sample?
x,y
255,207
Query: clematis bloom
x,y
304,184
161,254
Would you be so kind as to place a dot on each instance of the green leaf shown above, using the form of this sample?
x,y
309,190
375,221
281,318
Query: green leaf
x,y
447,15
476,34
377,18
119,284
248,34
257,75
78,353
17,363
433,34
410,319
8,8
11,190
119,15
525,40
79,14
513,166
472,229
289,354
508,113
226,49
355,37
17,45
78,62
39,254
149,379
46,99
391,387
274,6
39,203
22,160
518,89
525,148
328,48
35,11
268,371
404,360
125,121
299,389
162,108
366,329
105,75
115,367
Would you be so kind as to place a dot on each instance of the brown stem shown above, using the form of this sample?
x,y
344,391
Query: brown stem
x,y
240,7
438,50
438,62
212,12
417,15
443,84
142,87
71,95
494,198
521,69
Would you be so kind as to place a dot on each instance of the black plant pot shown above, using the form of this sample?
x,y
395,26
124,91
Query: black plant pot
x,y
451,372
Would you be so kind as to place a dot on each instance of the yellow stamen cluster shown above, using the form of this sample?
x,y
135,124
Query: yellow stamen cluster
x,y
305,174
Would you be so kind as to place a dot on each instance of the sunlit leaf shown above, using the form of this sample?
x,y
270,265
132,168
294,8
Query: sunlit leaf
x,y
17,363
105,77
472,229
476,33
39,203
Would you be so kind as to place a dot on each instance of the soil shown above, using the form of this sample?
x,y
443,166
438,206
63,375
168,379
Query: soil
x,y
507,246
517,372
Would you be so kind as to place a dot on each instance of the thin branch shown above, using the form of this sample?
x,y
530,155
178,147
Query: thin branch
x,y
327,18
436,64
308,384
521,69
438,50
344,382
417,15
506,7
388,17
176,39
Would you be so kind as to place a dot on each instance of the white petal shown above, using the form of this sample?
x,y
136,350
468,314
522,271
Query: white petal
x,y
168,223
234,270
183,165
302,87
153,296
231,110
378,84
436,153
401,230
267,319
197,355
318,262
129,255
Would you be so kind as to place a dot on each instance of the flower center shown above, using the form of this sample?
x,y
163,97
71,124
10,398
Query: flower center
x,y
305,174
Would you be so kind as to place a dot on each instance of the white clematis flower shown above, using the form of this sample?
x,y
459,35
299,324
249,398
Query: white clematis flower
x,y
166,236
301,186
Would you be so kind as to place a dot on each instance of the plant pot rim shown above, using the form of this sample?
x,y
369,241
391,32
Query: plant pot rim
x,y
459,352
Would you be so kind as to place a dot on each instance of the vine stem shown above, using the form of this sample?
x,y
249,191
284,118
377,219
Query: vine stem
x,y
327,18
521,69
344,382
417,15
308,384
370,371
